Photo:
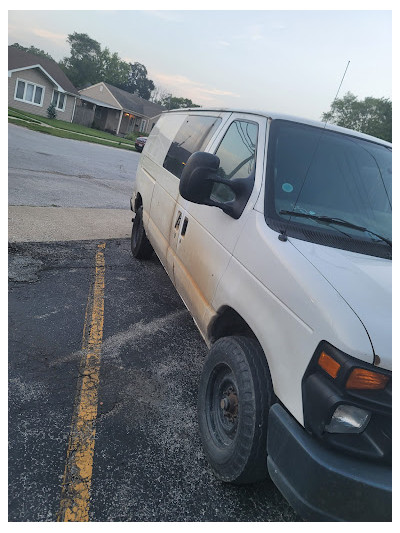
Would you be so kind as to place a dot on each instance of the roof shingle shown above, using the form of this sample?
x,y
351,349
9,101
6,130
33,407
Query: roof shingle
x,y
20,59
134,103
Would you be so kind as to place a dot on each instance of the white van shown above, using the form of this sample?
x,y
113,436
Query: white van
x,y
276,232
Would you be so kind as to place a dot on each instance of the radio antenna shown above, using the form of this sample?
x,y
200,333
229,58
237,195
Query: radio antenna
x,y
283,236
334,100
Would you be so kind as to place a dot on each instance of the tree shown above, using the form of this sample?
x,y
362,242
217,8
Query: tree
x,y
89,64
83,66
159,94
372,116
112,69
138,82
162,97
33,50
176,103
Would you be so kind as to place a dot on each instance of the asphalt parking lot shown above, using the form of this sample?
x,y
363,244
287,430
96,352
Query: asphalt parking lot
x,y
148,463
85,312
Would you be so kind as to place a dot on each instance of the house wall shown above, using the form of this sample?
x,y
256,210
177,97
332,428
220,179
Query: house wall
x,y
84,115
151,123
34,75
112,120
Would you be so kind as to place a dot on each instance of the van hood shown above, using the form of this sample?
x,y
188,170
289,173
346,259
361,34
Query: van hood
x,y
365,283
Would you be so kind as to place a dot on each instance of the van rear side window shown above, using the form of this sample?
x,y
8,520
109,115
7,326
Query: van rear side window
x,y
193,136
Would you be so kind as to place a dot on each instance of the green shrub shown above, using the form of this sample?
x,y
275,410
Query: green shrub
x,y
51,111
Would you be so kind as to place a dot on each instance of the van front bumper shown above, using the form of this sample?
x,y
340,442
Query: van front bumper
x,y
322,484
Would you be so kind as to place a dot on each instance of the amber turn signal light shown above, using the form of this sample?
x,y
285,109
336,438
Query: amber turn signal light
x,y
330,366
366,379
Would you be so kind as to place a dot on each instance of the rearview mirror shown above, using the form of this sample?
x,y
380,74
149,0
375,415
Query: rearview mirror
x,y
199,177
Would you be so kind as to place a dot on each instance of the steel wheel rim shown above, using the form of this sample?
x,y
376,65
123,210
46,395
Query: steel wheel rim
x,y
222,405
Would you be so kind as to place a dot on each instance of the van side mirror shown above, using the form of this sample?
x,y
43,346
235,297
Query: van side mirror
x,y
199,177
196,178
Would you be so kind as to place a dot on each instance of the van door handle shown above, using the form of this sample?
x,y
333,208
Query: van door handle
x,y
178,220
184,226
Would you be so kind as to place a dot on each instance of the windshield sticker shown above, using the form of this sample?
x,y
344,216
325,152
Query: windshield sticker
x,y
287,187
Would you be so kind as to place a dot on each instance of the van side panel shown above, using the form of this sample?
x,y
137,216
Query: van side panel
x,y
162,209
144,184
166,186
289,312
203,253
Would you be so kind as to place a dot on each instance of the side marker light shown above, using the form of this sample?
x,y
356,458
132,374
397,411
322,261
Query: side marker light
x,y
327,363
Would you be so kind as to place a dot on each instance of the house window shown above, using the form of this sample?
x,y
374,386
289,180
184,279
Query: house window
x,y
59,100
25,91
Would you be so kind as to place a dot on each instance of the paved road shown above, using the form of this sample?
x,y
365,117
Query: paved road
x,y
148,464
51,171
61,189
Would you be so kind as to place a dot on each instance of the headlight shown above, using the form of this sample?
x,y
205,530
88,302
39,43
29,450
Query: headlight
x,y
348,419
348,403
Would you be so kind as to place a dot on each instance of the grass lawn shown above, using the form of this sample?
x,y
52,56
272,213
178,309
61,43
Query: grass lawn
x,y
67,130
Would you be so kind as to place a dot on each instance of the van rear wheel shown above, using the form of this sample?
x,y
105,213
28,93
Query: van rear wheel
x,y
235,394
140,245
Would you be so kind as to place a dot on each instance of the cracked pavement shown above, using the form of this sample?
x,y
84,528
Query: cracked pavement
x,y
148,461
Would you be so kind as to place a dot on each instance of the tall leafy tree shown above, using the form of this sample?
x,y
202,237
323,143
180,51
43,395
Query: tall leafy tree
x,y
372,116
89,64
138,82
33,50
112,69
82,67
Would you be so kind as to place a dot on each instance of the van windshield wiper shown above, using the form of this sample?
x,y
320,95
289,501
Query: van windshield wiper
x,y
338,221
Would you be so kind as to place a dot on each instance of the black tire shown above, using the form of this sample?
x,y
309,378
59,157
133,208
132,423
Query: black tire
x,y
140,245
235,394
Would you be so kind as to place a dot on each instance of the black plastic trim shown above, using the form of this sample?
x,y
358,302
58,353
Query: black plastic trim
x,y
322,394
322,484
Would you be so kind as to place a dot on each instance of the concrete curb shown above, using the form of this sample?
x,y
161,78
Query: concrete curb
x,y
46,224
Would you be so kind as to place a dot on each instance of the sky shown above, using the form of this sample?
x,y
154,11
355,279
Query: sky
x,y
285,60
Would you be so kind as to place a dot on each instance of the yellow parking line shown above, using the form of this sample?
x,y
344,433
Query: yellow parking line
x,y
75,494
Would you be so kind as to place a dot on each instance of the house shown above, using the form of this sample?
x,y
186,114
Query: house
x,y
119,111
34,82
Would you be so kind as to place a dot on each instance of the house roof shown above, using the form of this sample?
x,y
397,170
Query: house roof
x,y
18,59
135,104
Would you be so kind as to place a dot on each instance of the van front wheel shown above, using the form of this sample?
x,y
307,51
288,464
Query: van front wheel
x,y
140,245
235,394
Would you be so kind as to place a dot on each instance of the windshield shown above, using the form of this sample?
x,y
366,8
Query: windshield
x,y
323,175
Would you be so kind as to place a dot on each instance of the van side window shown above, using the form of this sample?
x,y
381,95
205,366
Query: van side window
x,y
237,154
193,136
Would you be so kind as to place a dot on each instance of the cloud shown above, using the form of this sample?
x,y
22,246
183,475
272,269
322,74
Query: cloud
x,y
56,38
184,87
218,92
